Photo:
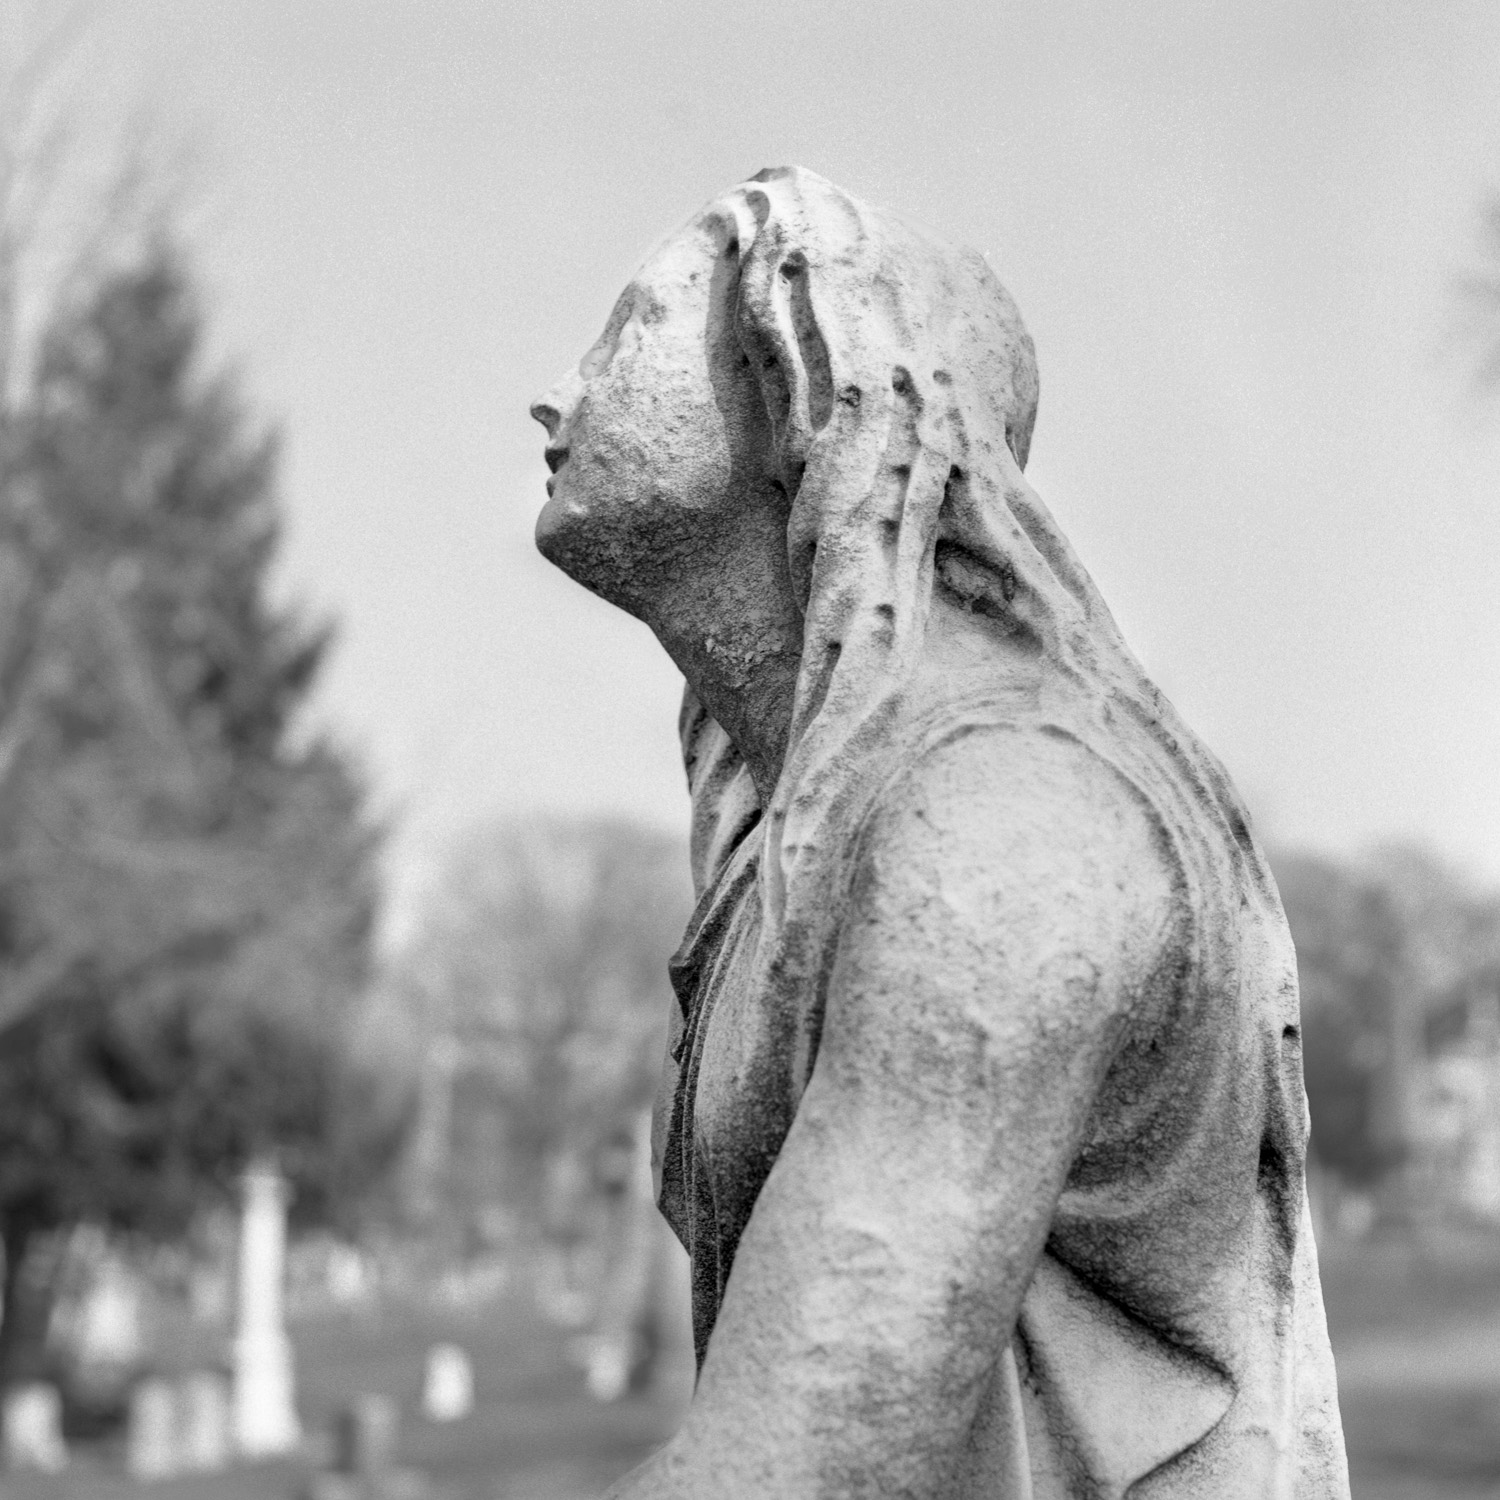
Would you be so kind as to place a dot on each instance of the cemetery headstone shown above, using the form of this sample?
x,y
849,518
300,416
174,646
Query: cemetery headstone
x,y
204,1437
624,1346
669,1331
108,1331
151,1431
346,1275
31,1419
365,1436
447,1384
263,1404
988,1077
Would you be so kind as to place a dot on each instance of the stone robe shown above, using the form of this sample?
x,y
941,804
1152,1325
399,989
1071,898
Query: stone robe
x,y
1172,1340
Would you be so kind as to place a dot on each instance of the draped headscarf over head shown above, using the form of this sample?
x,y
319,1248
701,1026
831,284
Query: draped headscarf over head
x,y
901,388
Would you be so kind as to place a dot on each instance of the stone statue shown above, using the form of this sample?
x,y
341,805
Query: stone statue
x,y
984,1125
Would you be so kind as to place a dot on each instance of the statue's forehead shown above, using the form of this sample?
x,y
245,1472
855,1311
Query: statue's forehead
x,y
699,239
675,261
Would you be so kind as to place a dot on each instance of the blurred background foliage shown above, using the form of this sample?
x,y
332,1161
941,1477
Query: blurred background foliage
x,y
1398,957
538,976
189,980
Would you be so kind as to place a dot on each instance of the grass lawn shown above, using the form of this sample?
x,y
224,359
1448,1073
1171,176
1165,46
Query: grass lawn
x,y
534,1434
1416,1335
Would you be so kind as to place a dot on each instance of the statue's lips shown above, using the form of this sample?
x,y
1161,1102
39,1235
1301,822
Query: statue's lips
x,y
556,458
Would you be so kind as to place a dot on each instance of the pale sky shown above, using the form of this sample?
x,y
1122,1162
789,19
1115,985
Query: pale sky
x,y
1233,231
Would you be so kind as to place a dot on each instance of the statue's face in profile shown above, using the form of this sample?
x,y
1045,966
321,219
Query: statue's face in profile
x,y
646,437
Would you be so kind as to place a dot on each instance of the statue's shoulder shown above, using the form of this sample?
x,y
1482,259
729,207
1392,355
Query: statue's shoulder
x,y
1010,817
1020,772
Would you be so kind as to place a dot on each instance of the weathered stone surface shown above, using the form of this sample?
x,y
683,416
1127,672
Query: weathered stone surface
x,y
985,1125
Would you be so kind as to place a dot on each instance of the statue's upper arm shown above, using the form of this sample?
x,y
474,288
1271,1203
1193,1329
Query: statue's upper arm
x,y
1012,893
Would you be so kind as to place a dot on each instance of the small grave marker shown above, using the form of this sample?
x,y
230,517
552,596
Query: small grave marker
x,y
203,1422
31,1419
448,1384
365,1437
151,1446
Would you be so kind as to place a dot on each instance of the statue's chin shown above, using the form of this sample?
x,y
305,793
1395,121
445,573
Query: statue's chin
x,y
551,530
570,539
562,537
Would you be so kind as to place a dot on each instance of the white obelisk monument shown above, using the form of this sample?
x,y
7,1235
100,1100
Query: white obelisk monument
x,y
264,1409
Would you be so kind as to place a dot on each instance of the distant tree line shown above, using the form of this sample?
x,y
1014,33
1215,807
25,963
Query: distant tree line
x,y
538,974
1393,953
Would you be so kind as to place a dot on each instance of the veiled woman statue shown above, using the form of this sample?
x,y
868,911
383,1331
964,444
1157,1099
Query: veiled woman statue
x,y
984,1125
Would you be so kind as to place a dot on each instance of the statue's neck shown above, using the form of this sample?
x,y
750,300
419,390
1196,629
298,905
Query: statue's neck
x,y
729,622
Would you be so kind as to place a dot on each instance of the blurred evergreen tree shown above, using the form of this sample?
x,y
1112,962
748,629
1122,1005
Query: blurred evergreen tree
x,y
187,884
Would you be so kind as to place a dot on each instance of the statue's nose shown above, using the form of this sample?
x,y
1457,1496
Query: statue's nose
x,y
554,407
546,412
